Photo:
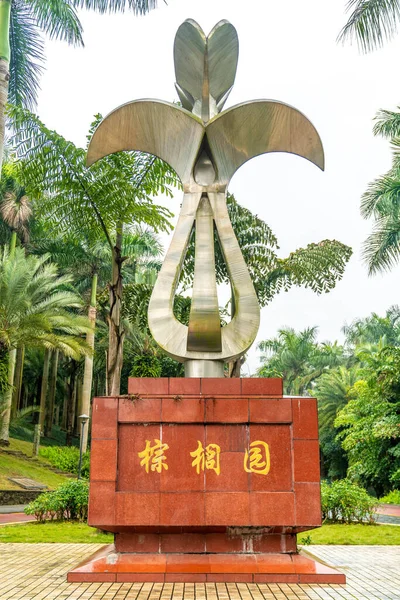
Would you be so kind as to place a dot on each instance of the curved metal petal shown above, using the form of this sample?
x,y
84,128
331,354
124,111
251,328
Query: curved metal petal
x,y
257,127
205,67
170,334
189,54
160,128
223,54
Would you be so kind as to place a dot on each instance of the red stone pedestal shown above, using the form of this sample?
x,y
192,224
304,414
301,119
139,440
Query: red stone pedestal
x,y
204,480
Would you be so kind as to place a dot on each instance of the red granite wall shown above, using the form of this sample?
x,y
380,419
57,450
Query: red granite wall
x,y
173,468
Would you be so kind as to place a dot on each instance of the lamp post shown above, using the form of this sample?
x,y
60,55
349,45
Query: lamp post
x,y
83,419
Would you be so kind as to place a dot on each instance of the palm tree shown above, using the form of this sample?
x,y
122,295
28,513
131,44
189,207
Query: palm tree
x,y
88,262
381,202
331,391
22,25
35,312
15,206
371,22
298,358
375,329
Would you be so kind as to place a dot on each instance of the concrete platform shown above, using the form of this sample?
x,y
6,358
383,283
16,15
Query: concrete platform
x,y
109,565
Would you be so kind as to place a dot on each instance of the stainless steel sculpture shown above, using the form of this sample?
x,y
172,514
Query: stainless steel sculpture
x,y
205,147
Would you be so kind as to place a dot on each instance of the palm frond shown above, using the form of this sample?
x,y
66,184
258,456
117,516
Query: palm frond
x,y
140,7
371,22
27,56
382,197
381,250
387,124
58,19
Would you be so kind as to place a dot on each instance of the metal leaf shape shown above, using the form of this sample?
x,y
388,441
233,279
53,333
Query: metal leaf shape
x,y
253,128
160,128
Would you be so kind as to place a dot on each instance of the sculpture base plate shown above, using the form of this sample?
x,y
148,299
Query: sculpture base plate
x,y
107,565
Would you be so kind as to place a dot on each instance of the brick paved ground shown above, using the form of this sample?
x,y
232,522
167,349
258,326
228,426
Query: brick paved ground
x,y
37,572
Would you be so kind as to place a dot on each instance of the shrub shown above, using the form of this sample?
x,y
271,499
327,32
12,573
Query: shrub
x,y
69,502
392,497
345,502
146,365
66,458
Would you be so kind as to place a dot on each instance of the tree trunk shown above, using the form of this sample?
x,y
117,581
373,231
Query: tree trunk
x,y
65,405
116,333
19,368
71,408
5,10
235,365
5,424
52,395
43,390
88,372
78,408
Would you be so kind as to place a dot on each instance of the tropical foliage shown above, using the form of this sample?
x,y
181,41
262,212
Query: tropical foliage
x,y
371,22
318,266
370,423
35,305
345,502
99,203
23,25
381,203
298,358
357,386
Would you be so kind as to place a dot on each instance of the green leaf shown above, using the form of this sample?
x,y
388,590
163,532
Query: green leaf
x,y
371,22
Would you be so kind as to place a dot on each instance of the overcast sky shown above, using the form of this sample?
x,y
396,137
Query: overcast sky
x,y
288,52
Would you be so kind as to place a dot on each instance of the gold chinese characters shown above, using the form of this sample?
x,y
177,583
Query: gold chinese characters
x,y
256,459
207,457
153,457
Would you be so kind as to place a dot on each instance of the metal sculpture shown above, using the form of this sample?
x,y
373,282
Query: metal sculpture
x,y
205,147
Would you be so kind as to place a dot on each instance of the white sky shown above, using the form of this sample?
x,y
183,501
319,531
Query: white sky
x,y
288,52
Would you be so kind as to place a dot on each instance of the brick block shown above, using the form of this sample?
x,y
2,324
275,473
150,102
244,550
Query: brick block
x,y
184,385
103,460
182,508
224,386
272,509
308,504
104,418
157,386
262,386
182,542
229,509
101,503
227,410
135,542
306,461
221,542
137,508
305,418
270,410
183,410
142,410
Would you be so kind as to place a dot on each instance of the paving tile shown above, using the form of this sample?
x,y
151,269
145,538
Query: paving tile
x,y
38,572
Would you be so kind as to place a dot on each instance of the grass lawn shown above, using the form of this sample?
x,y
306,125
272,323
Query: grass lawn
x,y
16,466
25,428
79,533
54,532
369,535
